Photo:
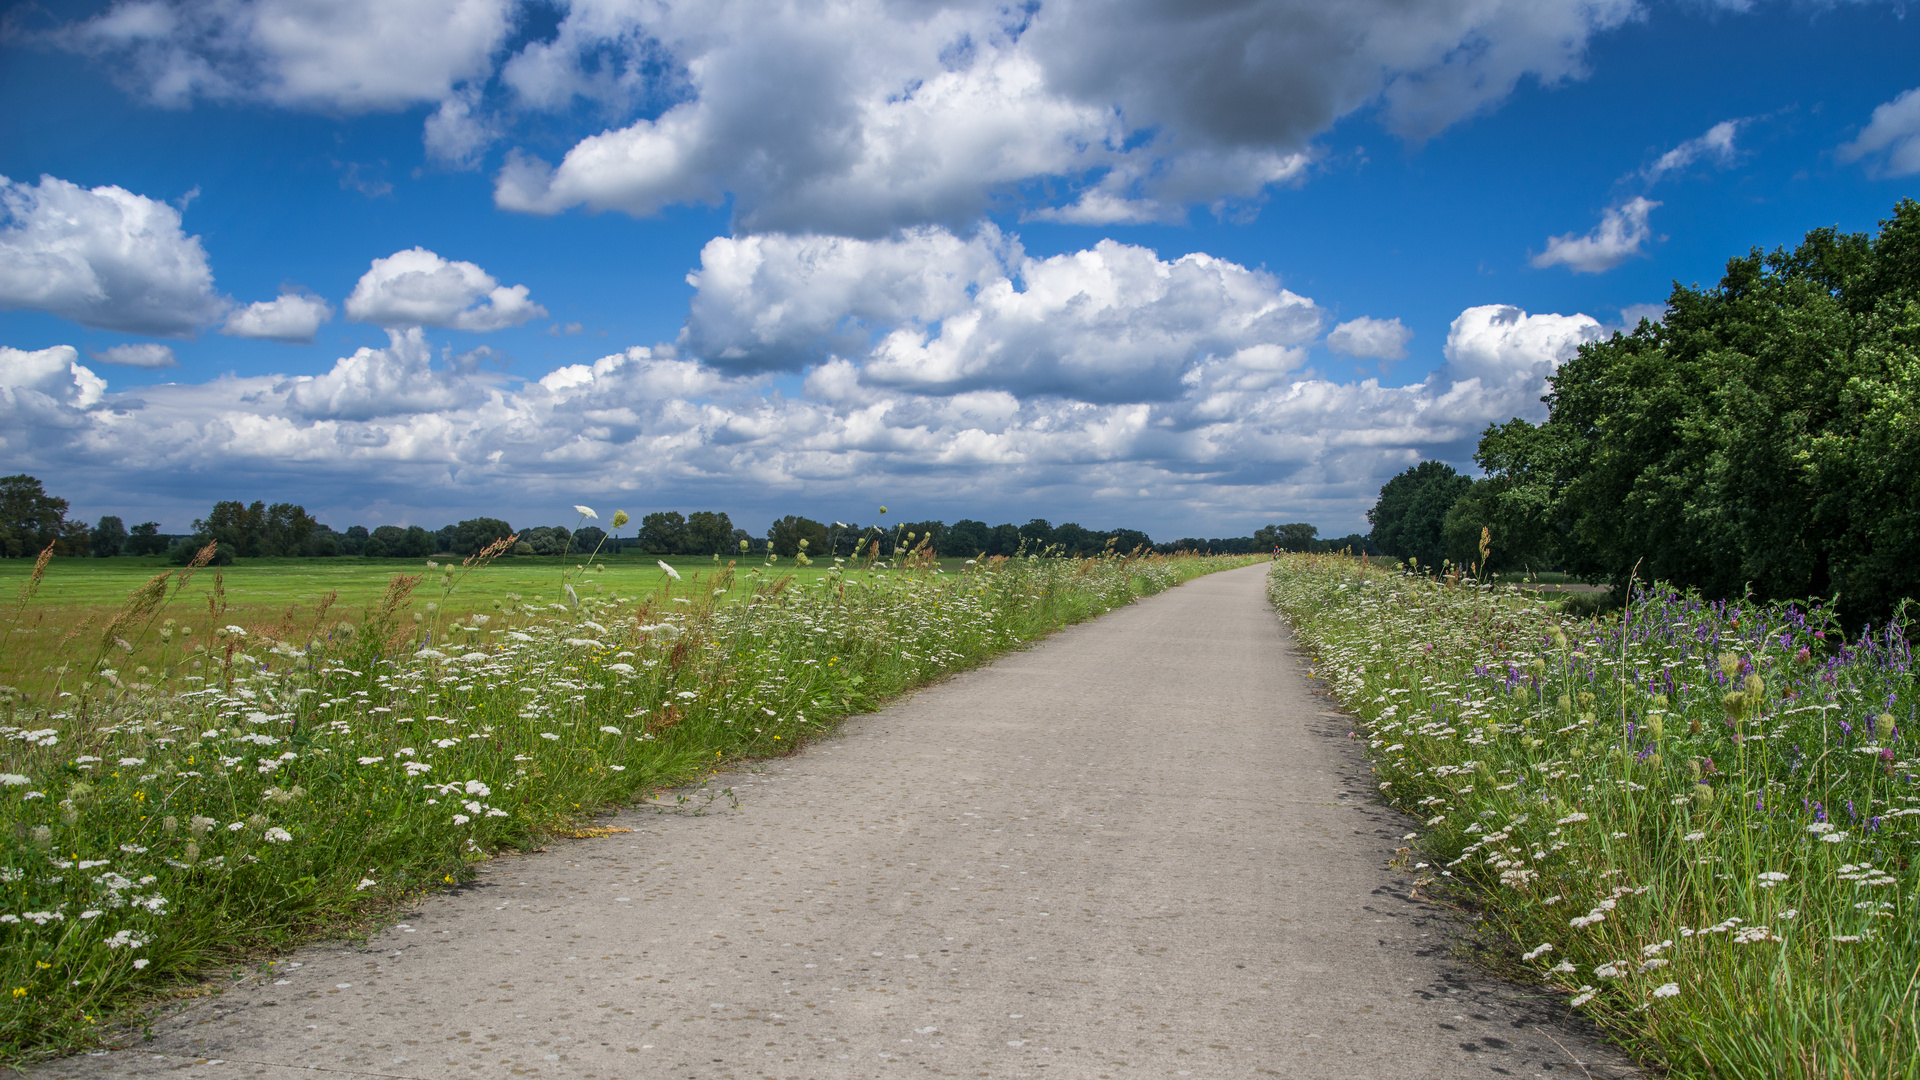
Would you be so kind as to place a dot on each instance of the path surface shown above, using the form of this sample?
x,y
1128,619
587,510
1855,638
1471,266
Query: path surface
x,y
1143,848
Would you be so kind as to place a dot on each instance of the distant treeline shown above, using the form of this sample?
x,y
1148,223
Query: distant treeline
x,y
1760,440
30,519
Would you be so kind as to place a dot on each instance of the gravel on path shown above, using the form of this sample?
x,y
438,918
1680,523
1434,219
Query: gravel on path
x,y
1144,847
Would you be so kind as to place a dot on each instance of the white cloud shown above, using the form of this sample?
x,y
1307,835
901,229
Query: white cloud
x,y
333,55
54,375
105,258
1715,146
394,381
416,287
1891,140
1371,339
1507,354
458,133
292,317
938,314
145,354
1618,237
861,118
1106,385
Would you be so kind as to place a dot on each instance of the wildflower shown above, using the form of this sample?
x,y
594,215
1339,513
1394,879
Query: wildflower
x,y
1586,994
1833,838
1771,878
1564,967
1572,818
13,780
140,963
461,819
276,835
475,787
1692,836
1610,970
620,518
370,760
1539,952
610,729
365,883
587,511
1846,938
549,735
1667,990
671,572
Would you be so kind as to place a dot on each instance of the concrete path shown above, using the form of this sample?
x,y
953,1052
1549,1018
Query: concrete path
x,y
1143,848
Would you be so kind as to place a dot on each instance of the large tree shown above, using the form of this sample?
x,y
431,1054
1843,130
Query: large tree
x,y
708,532
784,536
1765,435
1407,520
663,533
108,537
30,519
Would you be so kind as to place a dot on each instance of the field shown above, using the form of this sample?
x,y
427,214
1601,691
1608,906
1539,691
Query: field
x,y
186,791
1696,819
75,598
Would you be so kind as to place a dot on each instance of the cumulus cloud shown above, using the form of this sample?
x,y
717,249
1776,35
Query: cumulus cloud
x,y
105,258
938,314
1890,143
859,119
292,317
419,288
333,55
146,354
53,376
1507,354
1371,339
393,381
1106,384
1622,231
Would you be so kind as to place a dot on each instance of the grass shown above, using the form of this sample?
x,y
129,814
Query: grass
x,y
276,596
1697,819
178,801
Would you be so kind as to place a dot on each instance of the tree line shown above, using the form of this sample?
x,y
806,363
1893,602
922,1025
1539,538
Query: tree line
x,y
1762,439
30,519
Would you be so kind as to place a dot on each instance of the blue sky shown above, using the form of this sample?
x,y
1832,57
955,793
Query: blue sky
x,y
1083,261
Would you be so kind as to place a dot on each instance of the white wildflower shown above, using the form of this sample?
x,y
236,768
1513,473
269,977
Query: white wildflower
x,y
12,779
1536,954
609,729
1586,994
365,883
671,572
587,511
276,835
1667,990
1771,878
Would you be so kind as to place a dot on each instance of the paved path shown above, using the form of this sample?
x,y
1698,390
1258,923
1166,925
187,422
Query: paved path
x,y
1142,848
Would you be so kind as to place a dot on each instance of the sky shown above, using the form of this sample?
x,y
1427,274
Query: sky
x,y
1185,268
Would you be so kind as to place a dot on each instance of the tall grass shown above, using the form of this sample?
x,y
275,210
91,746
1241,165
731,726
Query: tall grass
x,y
250,789
1698,819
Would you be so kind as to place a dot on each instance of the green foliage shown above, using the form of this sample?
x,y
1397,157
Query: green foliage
x,y
476,533
31,519
663,532
1765,435
708,532
145,539
108,538
784,536
1409,519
